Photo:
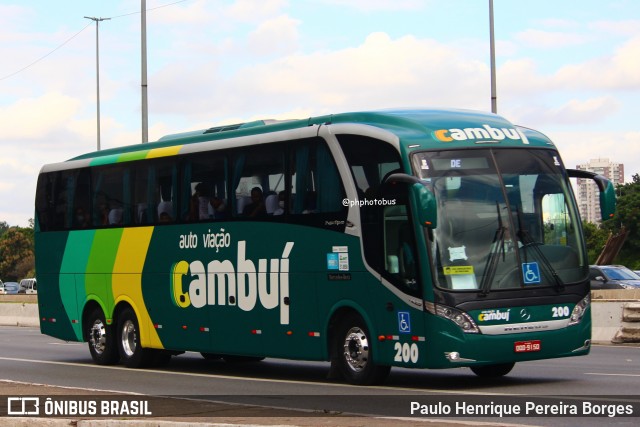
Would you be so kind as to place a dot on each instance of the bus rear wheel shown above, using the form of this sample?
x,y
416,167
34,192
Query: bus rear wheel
x,y
101,339
493,371
354,354
131,352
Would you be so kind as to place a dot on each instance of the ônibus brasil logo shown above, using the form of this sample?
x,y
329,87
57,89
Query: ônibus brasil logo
x,y
485,132
222,283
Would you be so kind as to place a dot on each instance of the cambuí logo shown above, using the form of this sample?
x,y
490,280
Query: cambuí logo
x,y
488,315
485,132
222,283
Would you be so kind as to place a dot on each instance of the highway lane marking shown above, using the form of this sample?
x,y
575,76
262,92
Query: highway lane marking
x,y
64,343
612,375
229,377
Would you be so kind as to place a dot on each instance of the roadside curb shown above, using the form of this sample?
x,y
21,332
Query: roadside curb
x,y
19,314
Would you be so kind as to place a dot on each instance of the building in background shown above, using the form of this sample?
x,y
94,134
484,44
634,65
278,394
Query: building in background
x,y
588,196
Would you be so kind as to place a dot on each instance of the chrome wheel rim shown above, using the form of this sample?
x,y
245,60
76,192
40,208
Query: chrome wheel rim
x,y
98,336
129,338
356,349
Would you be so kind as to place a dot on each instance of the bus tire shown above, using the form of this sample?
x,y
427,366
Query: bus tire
x,y
354,354
101,338
493,371
132,354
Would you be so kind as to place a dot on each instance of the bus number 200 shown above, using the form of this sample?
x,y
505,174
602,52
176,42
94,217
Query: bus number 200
x,y
406,353
560,311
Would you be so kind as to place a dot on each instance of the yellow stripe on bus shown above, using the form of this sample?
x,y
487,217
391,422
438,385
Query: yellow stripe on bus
x,y
163,152
127,279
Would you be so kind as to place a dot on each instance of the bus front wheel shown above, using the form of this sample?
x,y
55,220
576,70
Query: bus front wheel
x,y
354,354
131,352
493,371
101,339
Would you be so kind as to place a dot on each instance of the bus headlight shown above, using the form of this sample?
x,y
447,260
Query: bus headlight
x,y
460,318
579,310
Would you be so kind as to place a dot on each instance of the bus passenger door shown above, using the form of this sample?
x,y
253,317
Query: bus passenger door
x,y
401,320
389,244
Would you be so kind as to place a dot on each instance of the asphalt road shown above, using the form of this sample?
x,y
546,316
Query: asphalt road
x,y
609,374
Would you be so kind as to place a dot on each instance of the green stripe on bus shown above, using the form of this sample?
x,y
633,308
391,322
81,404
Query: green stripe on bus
x,y
135,155
74,263
101,260
106,160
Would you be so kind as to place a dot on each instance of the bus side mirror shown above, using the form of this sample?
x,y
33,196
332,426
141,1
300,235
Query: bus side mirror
x,y
422,198
425,203
608,202
607,192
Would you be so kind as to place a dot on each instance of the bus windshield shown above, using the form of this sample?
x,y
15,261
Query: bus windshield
x,y
506,220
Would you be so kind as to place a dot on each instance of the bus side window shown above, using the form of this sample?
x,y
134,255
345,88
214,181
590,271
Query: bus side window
x,y
165,202
140,193
81,200
256,174
54,205
111,196
153,192
316,187
204,187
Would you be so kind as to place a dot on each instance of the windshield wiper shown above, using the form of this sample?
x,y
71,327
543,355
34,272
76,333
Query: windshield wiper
x,y
497,247
528,242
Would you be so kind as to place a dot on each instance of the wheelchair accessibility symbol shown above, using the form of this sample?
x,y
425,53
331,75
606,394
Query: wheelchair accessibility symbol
x,y
531,273
404,322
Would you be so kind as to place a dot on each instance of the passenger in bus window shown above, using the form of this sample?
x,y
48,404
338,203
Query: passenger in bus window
x,y
103,211
165,207
81,218
219,208
256,208
271,203
115,216
164,217
282,201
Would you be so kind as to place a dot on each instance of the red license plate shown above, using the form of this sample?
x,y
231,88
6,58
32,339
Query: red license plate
x,y
526,346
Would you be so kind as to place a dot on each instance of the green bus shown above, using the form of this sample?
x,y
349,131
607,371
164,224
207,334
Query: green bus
x,y
412,238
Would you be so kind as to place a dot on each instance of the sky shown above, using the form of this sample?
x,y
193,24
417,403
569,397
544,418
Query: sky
x,y
569,68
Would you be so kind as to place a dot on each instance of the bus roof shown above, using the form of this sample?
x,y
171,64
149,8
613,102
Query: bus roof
x,y
415,130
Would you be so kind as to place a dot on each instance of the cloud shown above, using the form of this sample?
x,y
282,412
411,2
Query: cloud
x,y
379,73
619,71
629,27
31,118
540,39
274,36
252,11
559,23
571,112
13,15
579,147
212,14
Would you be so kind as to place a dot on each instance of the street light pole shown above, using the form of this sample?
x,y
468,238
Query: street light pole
x,y
492,48
97,20
145,113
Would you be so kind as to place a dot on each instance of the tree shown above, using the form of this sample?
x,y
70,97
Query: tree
x,y
627,216
595,238
16,253
3,227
